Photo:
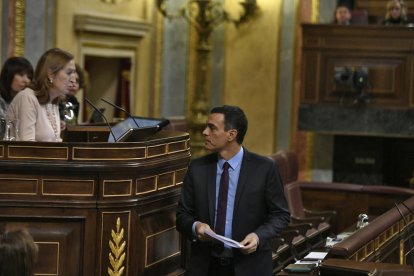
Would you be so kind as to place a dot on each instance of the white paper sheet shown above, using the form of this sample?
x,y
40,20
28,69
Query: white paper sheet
x,y
226,241
316,255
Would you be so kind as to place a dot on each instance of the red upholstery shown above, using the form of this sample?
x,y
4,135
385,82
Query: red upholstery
x,y
292,162
281,165
294,199
359,17
288,164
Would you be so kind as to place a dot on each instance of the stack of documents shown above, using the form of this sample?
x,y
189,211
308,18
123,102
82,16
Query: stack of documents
x,y
313,258
307,264
226,241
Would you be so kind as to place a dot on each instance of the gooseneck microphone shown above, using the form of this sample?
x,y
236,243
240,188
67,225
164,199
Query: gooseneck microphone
x,y
103,116
122,109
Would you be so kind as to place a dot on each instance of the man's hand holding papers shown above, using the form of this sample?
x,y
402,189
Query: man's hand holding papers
x,y
226,241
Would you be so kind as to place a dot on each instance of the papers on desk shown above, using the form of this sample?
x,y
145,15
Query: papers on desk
x,y
340,237
226,241
307,264
313,258
316,255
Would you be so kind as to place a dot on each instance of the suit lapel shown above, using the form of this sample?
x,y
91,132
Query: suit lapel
x,y
211,189
243,178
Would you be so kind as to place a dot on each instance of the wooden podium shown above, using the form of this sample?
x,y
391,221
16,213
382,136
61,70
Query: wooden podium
x,y
96,208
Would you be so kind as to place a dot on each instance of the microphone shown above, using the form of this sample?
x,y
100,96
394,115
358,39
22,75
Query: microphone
x,y
407,232
122,109
103,116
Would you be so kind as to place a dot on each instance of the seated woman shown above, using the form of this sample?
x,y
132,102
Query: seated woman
x,y
16,74
36,108
343,15
18,253
396,14
69,107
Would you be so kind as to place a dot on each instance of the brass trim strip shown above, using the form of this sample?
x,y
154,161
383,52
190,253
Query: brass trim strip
x,y
36,157
114,181
175,151
175,176
382,239
73,180
169,186
146,248
109,159
57,259
155,177
402,254
165,145
27,179
128,240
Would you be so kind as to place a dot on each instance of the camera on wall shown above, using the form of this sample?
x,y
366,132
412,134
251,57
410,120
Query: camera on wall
x,y
355,77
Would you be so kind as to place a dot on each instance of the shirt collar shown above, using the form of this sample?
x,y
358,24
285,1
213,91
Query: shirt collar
x,y
235,161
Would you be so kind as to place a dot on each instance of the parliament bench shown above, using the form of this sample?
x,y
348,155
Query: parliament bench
x,y
385,239
347,199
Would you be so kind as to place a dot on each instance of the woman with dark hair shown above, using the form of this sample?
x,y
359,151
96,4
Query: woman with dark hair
x,y
36,108
16,74
18,253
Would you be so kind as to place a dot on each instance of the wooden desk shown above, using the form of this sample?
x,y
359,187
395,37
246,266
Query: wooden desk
x,y
94,206
336,267
385,239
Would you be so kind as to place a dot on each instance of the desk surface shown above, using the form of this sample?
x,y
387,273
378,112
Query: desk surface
x,y
346,267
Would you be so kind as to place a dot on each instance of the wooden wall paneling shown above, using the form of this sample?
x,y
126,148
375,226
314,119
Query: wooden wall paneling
x,y
310,79
386,80
64,236
97,211
385,52
158,241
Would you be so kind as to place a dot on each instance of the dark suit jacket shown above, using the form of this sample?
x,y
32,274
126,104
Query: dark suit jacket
x,y
259,207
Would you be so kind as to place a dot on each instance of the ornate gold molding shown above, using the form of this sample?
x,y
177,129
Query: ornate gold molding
x,y
402,253
204,16
315,11
19,27
114,25
114,1
117,254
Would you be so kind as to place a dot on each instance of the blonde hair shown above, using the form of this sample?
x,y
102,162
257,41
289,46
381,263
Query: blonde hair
x,y
391,4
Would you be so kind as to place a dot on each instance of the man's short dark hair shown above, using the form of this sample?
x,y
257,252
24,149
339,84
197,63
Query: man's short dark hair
x,y
234,118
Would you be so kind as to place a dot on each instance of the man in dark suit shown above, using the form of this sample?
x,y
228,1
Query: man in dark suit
x,y
254,209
